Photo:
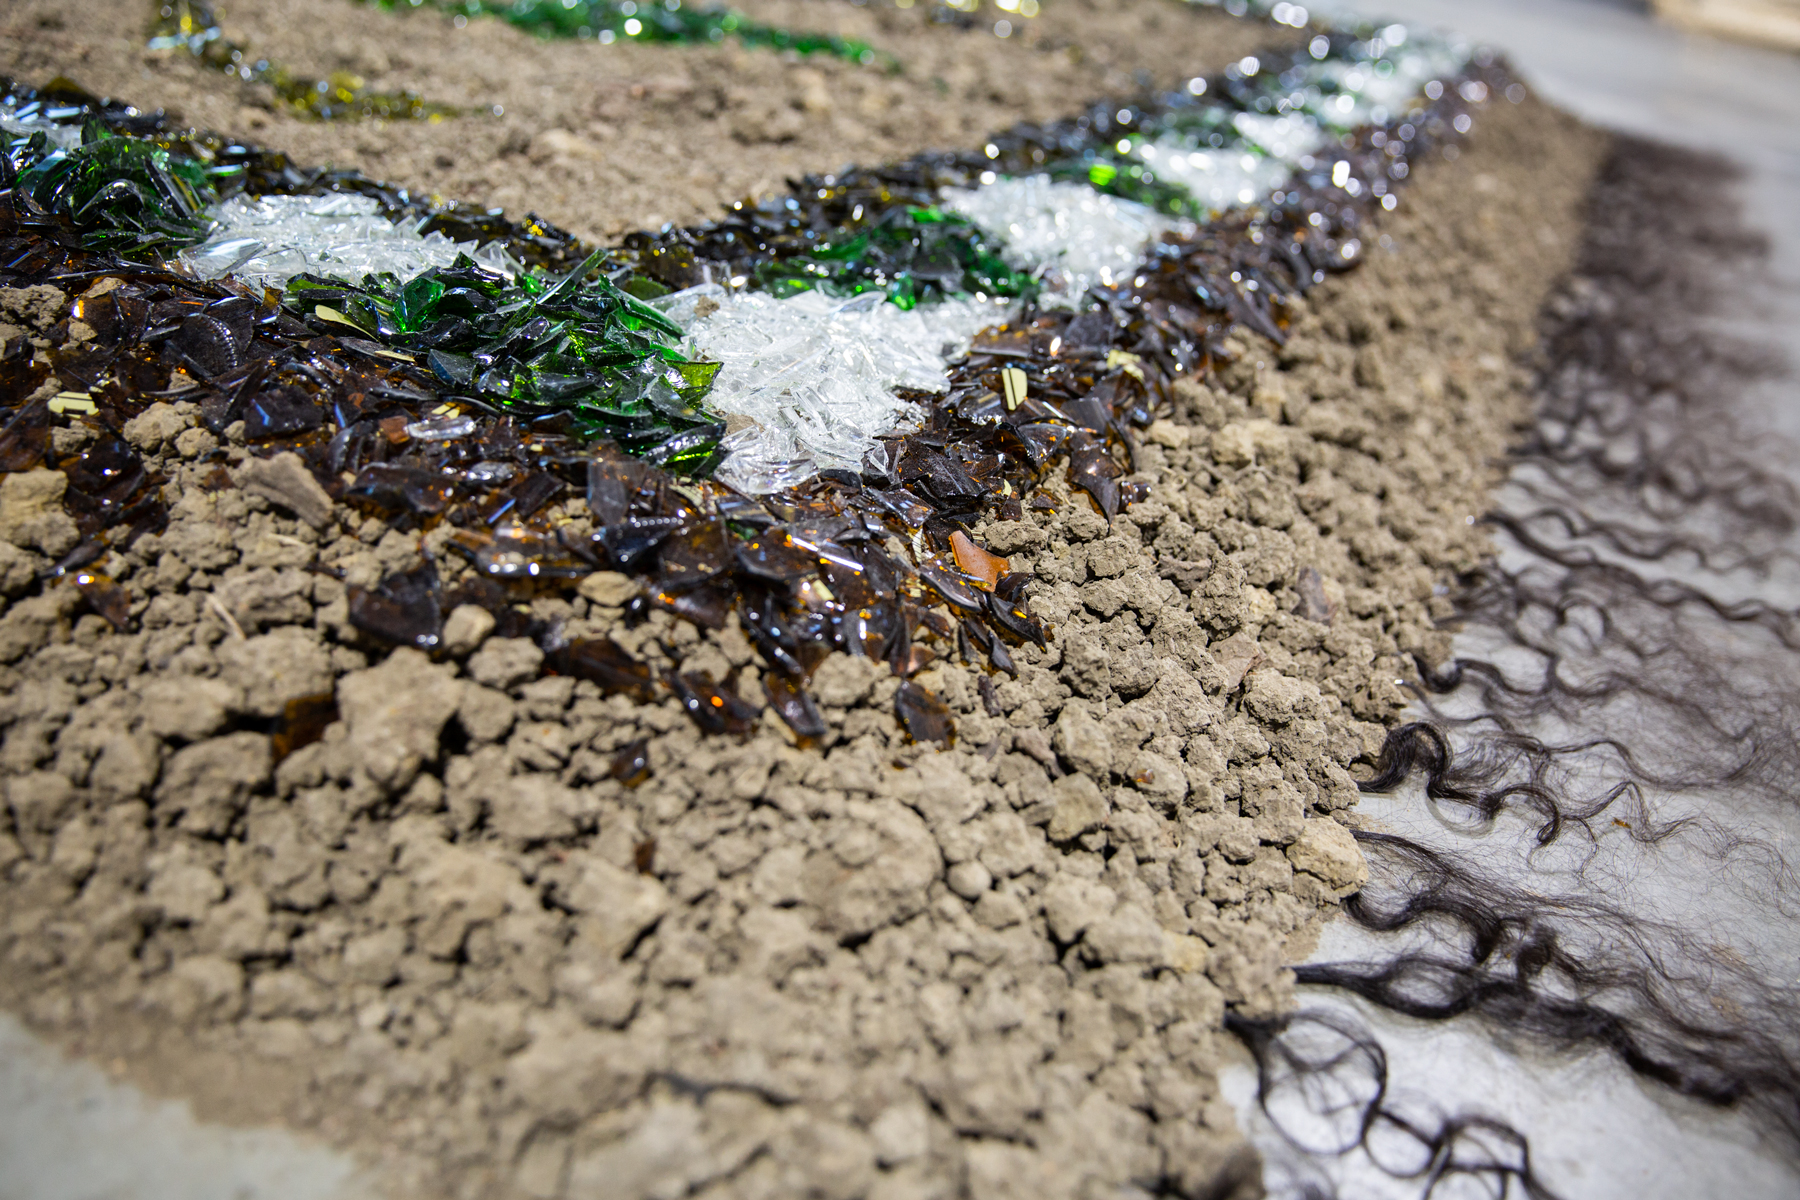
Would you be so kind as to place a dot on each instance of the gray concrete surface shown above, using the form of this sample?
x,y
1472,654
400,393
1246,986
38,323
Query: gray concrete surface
x,y
1595,1130
1612,65
67,1132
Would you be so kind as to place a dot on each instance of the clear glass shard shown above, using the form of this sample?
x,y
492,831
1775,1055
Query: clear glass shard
x,y
440,429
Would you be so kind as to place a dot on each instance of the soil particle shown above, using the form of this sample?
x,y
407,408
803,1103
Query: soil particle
x,y
447,935
31,512
281,480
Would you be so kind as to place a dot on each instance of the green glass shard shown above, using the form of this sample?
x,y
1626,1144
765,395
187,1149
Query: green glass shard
x,y
1119,175
128,196
416,302
652,21
911,254
192,25
575,345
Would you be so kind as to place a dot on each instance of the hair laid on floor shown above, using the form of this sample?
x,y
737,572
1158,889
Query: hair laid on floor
x,y
1630,686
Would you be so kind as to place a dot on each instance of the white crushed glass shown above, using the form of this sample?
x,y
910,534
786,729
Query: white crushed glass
x,y
490,472
1071,235
440,429
1323,100
268,240
813,376
63,137
1377,91
1221,179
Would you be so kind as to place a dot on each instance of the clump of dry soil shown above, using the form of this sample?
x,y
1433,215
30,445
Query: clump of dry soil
x,y
446,937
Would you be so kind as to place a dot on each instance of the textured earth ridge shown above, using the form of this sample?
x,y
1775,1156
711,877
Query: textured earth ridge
x,y
448,937
606,140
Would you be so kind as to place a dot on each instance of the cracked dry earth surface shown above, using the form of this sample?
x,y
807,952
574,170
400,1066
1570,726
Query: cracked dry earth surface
x,y
606,140
448,938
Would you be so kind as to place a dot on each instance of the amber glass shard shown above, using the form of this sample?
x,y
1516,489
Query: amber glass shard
x,y
623,546
766,619
714,706
103,481
695,555
999,657
790,700
984,568
280,412
954,588
772,555
20,374
924,716
706,606
25,438
604,662
1092,470
1017,620
105,597
521,498
631,764
401,487
405,609
517,552
303,721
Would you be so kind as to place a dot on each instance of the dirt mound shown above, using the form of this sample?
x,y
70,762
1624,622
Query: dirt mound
x,y
453,936
608,139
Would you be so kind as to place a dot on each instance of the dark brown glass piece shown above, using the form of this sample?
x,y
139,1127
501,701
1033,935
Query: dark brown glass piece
x,y
707,606
631,765
399,487
522,498
105,597
924,717
714,706
695,555
25,438
19,374
104,480
603,661
1092,470
303,722
979,565
789,698
955,589
1018,621
990,699
1314,604
404,609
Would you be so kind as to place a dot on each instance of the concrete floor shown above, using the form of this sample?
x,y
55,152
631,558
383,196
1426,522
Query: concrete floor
x,y
68,1132
1595,1130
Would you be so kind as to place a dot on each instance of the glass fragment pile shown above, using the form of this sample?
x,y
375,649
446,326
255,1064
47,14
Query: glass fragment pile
x,y
794,415
267,240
